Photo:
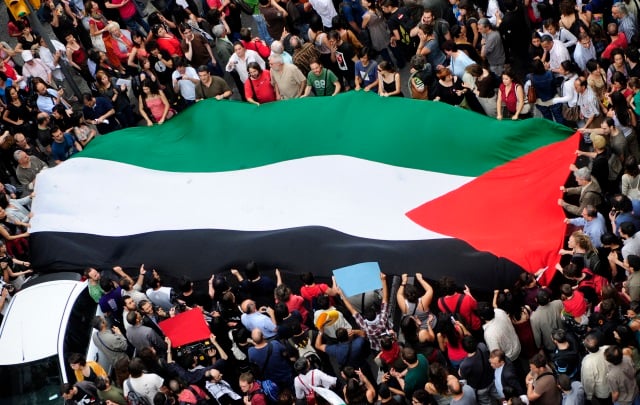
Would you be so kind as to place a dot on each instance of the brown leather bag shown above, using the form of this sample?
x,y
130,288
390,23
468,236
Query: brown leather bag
x,y
531,95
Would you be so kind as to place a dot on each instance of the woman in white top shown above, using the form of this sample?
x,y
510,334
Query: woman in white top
x,y
631,178
563,35
241,58
569,71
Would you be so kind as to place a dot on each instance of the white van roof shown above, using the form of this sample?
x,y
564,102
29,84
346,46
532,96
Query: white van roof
x,y
33,321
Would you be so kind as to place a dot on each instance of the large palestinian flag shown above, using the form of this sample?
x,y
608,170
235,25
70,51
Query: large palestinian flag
x,y
312,185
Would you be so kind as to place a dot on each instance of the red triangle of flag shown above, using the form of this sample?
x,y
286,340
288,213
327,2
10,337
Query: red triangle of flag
x,y
510,211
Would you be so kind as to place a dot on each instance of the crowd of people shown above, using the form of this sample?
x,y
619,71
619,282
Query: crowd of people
x,y
408,342
573,342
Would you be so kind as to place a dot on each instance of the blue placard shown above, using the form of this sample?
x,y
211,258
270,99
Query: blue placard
x,y
358,278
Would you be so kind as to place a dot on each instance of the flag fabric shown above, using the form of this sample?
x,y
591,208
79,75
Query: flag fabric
x,y
312,185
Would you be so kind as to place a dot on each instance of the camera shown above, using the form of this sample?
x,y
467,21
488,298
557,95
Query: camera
x,y
198,349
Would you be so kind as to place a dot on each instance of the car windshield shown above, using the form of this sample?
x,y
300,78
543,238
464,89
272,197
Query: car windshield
x,y
37,382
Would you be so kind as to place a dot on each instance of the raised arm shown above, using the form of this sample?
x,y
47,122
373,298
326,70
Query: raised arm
x,y
427,298
400,294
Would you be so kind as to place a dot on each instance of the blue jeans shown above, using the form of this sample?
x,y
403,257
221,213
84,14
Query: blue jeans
x,y
552,112
262,29
137,23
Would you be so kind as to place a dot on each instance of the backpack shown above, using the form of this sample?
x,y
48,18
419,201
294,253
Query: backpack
x,y
455,315
270,390
134,398
199,399
309,394
306,350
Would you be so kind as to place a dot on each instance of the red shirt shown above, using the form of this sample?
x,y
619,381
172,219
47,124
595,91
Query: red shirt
x,y
260,89
510,100
171,45
576,305
620,42
127,11
467,309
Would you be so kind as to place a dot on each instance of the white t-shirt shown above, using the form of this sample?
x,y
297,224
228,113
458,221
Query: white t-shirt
x,y
187,87
146,385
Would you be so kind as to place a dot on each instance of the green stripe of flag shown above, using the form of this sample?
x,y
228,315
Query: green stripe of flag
x,y
225,136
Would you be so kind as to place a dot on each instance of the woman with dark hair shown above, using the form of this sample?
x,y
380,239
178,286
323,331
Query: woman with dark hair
x,y
287,321
520,313
543,83
78,57
569,17
258,88
373,21
597,79
598,36
389,84
535,47
138,51
568,98
437,385
618,64
293,301
166,40
417,335
459,36
420,338
510,101
411,303
358,390
631,177
429,47
633,314
311,289
568,39
85,370
624,119
118,96
17,114
469,19
450,334
626,336
16,239
448,88
154,106
320,39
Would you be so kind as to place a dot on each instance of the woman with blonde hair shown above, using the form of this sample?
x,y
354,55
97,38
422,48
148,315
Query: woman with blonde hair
x,y
582,250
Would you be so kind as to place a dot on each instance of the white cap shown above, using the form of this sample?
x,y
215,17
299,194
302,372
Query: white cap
x,y
27,56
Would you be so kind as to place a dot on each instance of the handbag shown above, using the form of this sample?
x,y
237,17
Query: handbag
x,y
570,113
310,394
531,94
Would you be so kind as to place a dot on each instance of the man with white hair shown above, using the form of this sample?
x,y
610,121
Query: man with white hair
x,y
278,49
626,21
287,80
28,168
588,189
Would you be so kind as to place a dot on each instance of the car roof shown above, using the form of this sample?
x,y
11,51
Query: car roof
x,y
31,327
